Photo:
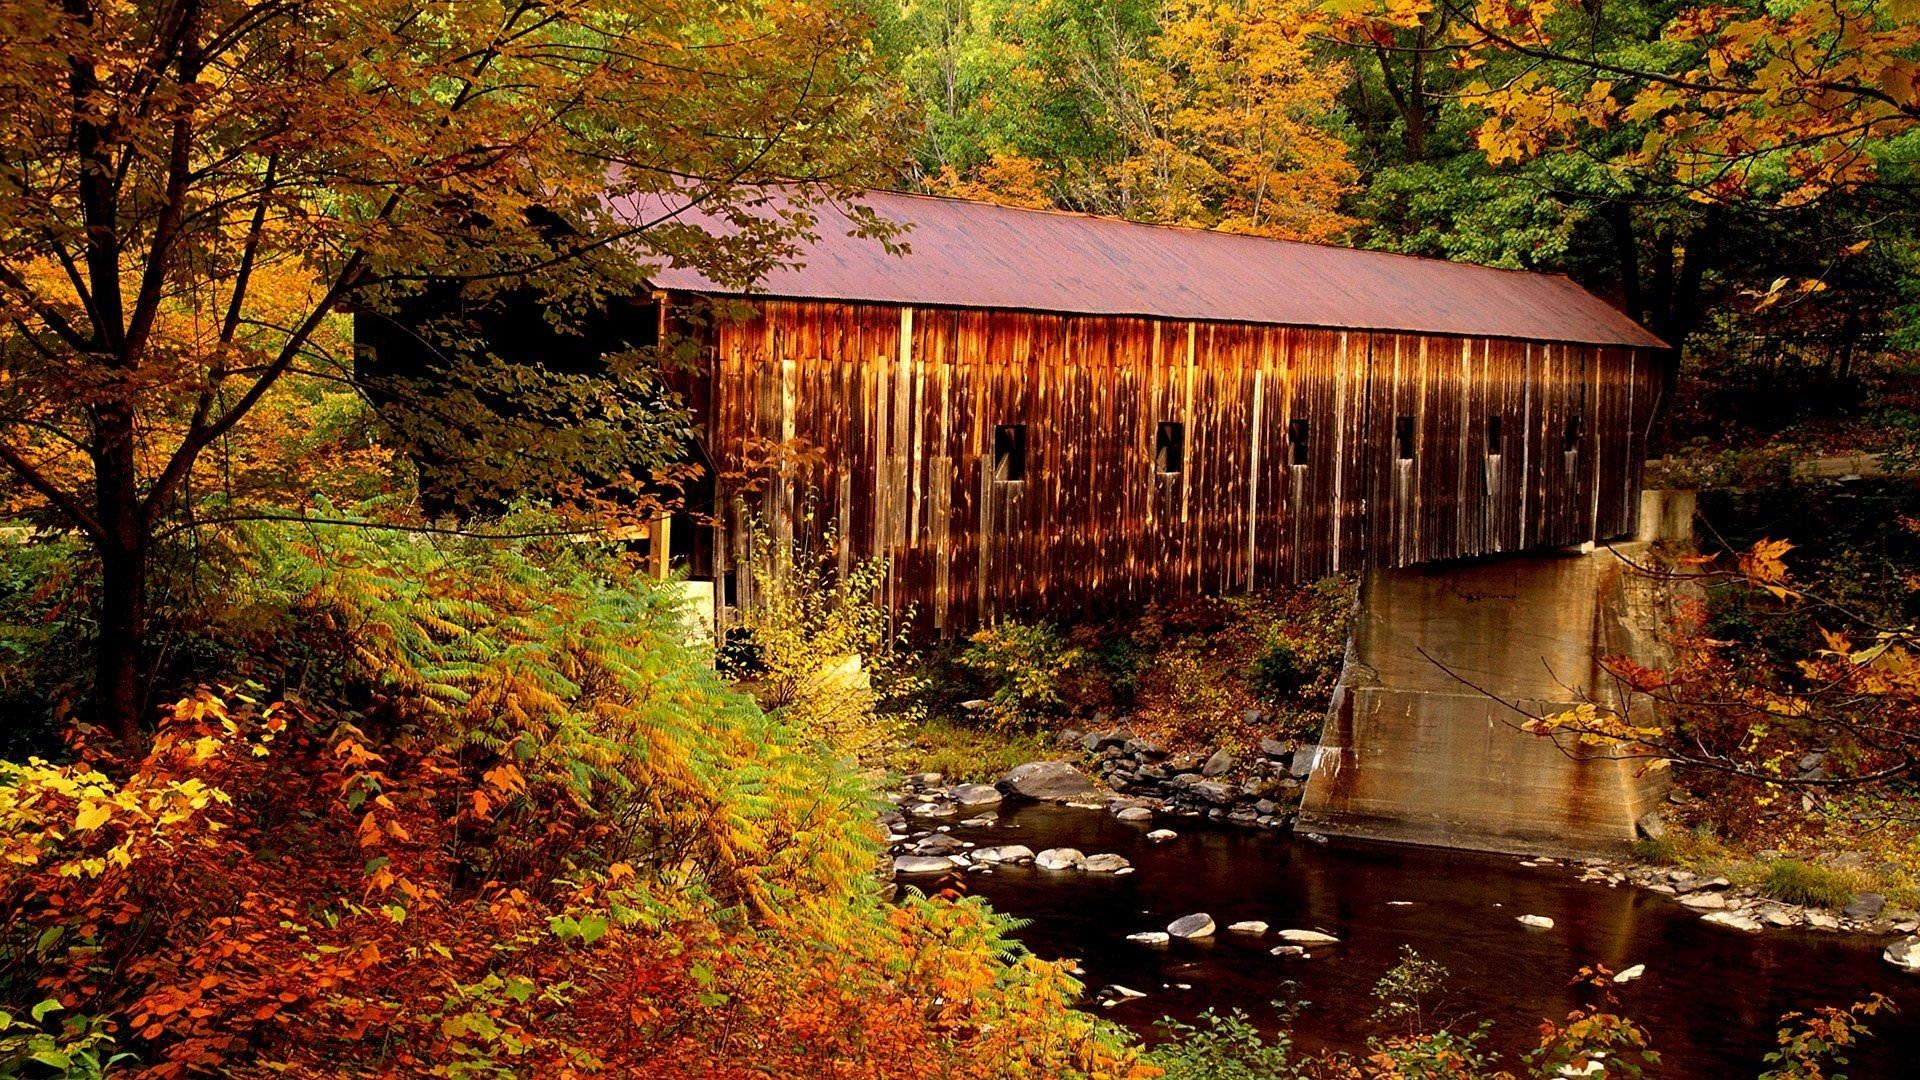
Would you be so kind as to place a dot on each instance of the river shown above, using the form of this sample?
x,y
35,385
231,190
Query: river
x,y
1711,997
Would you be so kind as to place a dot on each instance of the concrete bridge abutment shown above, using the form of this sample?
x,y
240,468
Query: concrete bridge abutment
x,y
1424,740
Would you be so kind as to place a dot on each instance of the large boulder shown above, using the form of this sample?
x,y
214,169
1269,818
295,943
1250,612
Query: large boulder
x,y
922,864
1105,864
1047,781
1220,764
1005,853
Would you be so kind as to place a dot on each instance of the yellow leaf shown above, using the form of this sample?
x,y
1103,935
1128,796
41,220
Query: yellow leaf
x,y
91,817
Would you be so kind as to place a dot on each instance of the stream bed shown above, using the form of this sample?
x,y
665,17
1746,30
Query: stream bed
x,y
1711,997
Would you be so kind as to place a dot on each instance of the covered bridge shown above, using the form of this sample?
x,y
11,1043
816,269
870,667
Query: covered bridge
x,y
1035,411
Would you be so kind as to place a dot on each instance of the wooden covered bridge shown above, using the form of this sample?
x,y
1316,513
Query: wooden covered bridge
x,y
1040,412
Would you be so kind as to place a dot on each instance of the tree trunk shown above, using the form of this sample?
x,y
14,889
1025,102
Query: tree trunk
x,y
1626,254
119,688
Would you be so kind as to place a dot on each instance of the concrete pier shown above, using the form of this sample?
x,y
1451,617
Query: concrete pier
x,y
1423,742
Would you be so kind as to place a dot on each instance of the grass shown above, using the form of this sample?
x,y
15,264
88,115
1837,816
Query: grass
x,y
964,753
1799,882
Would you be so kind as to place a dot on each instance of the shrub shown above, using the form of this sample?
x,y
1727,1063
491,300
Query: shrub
x,y
822,650
1406,991
45,633
1024,664
1278,673
1227,1046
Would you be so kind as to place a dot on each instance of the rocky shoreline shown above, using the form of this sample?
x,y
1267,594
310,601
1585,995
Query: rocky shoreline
x,y
1144,783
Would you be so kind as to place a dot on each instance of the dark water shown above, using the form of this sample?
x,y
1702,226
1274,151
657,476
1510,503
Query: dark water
x,y
1711,996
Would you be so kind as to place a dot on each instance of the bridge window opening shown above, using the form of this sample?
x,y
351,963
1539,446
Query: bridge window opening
x,y
1403,437
1009,453
1297,440
1493,435
1570,438
1170,447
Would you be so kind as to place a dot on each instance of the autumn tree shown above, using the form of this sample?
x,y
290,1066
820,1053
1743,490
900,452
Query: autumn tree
x,y
192,191
1217,115
1681,158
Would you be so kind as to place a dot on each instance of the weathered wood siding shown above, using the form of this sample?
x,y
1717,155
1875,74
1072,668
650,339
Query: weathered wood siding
x,y
892,413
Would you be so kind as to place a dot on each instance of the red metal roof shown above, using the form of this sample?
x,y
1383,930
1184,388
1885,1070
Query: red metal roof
x,y
981,255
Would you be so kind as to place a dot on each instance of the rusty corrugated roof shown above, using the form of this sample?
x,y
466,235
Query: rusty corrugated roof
x,y
981,255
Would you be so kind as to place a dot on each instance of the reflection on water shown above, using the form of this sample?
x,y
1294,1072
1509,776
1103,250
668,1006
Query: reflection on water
x,y
1711,997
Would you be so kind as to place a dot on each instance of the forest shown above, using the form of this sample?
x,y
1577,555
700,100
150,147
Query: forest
x,y
308,768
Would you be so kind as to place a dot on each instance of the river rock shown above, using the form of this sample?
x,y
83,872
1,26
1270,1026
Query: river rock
x,y
1867,905
1308,937
1822,920
1191,926
1159,835
1287,950
1651,825
1732,920
939,844
1048,781
1537,922
1217,792
1006,853
984,821
1220,764
1105,864
925,779
1705,901
1115,994
971,795
1135,813
1251,926
1151,937
922,864
1059,858
1303,761
1275,749
1627,975
1145,748
1903,954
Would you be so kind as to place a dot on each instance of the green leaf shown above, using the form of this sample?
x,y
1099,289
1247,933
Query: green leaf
x,y
41,1010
